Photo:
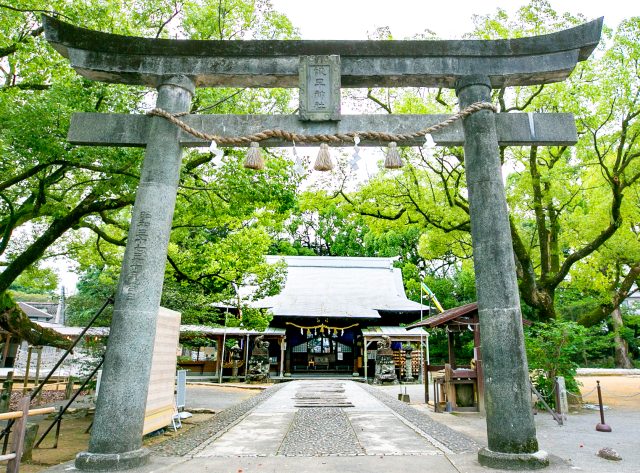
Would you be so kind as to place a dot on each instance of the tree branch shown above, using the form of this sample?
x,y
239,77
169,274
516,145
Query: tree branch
x,y
55,230
604,310
383,105
102,234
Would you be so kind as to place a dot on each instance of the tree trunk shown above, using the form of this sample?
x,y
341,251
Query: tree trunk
x,y
16,322
621,346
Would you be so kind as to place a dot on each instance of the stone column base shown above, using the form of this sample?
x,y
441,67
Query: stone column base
x,y
87,461
513,461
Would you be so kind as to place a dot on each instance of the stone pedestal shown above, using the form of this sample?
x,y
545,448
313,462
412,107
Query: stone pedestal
x,y
116,436
510,428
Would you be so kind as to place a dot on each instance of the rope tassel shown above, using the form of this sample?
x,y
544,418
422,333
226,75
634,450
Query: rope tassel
x,y
393,160
323,161
254,159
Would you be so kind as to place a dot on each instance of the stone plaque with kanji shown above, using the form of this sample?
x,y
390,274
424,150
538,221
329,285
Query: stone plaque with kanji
x,y
320,88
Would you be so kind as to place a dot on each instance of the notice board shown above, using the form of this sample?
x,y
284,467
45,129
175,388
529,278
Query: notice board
x,y
160,398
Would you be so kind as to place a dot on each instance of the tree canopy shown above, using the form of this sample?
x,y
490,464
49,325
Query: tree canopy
x,y
56,198
574,211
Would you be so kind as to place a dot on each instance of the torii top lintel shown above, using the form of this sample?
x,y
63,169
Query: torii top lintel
x,y
274,63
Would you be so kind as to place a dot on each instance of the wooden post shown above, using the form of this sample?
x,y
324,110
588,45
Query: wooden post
x,y
366,359
7,388
68,391
246,358
477,343
287,359
282,355
452,351
5,351
31,433
449,386
26,372
37,380
219,357
18,436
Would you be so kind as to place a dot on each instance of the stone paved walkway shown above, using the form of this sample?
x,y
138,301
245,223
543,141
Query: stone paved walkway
x,y
269,434
372,426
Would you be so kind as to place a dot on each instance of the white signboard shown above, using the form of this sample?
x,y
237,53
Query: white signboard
x,y
161,403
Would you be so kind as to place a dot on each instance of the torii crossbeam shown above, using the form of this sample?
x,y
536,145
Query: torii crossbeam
x,y
176,67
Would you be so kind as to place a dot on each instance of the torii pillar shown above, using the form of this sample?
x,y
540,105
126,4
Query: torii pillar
x,y
174,67
507,396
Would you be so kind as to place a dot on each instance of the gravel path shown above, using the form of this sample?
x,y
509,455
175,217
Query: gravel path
x,y
448,437
320,431
197,435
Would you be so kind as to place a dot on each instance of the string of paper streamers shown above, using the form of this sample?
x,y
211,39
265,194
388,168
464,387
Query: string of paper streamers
x,y
254,158
320,328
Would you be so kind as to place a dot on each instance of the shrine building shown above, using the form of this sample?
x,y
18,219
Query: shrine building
x,y
332,309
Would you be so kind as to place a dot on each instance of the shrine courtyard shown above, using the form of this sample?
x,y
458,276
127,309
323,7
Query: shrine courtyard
x,y
352,427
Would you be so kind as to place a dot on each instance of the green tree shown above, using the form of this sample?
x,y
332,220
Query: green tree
x,y
565,202
48,188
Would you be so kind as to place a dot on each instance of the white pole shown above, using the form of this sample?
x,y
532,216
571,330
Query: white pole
x,y
421,339
283,347
428,362
224,339
366,360
246,359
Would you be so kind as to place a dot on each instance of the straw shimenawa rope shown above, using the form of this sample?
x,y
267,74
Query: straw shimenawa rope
x,y
337,138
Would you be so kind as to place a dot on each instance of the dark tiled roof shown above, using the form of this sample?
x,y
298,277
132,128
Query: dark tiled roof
x,y
447,316
452,314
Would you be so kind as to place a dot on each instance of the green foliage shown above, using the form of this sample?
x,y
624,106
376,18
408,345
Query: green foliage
x,y
191,301
225,216
36,280
95,286
194,340
20,296
558,348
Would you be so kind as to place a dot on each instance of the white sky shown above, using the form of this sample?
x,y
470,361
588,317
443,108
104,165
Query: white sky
x,y
354,19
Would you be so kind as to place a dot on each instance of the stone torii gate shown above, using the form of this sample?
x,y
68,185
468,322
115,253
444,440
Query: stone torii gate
x,y
176,67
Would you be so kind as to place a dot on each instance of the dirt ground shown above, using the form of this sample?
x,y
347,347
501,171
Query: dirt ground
x,y
73,438
617,391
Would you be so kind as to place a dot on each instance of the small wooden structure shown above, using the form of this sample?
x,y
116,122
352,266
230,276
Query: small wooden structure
x,y
451,379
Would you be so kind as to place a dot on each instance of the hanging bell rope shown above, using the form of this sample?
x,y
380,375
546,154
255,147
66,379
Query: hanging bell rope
x,y
323,161
338,138
393,159
254,159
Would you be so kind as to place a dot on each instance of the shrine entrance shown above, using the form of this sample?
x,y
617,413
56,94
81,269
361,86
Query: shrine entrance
x,y
324,352
319,69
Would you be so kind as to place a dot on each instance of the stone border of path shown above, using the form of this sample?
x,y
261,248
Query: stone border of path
x,y
454,441
200,434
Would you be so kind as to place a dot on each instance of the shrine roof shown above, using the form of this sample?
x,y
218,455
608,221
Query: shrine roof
x,y
331,286
447,316
451,316
34,312
395,333
204,329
